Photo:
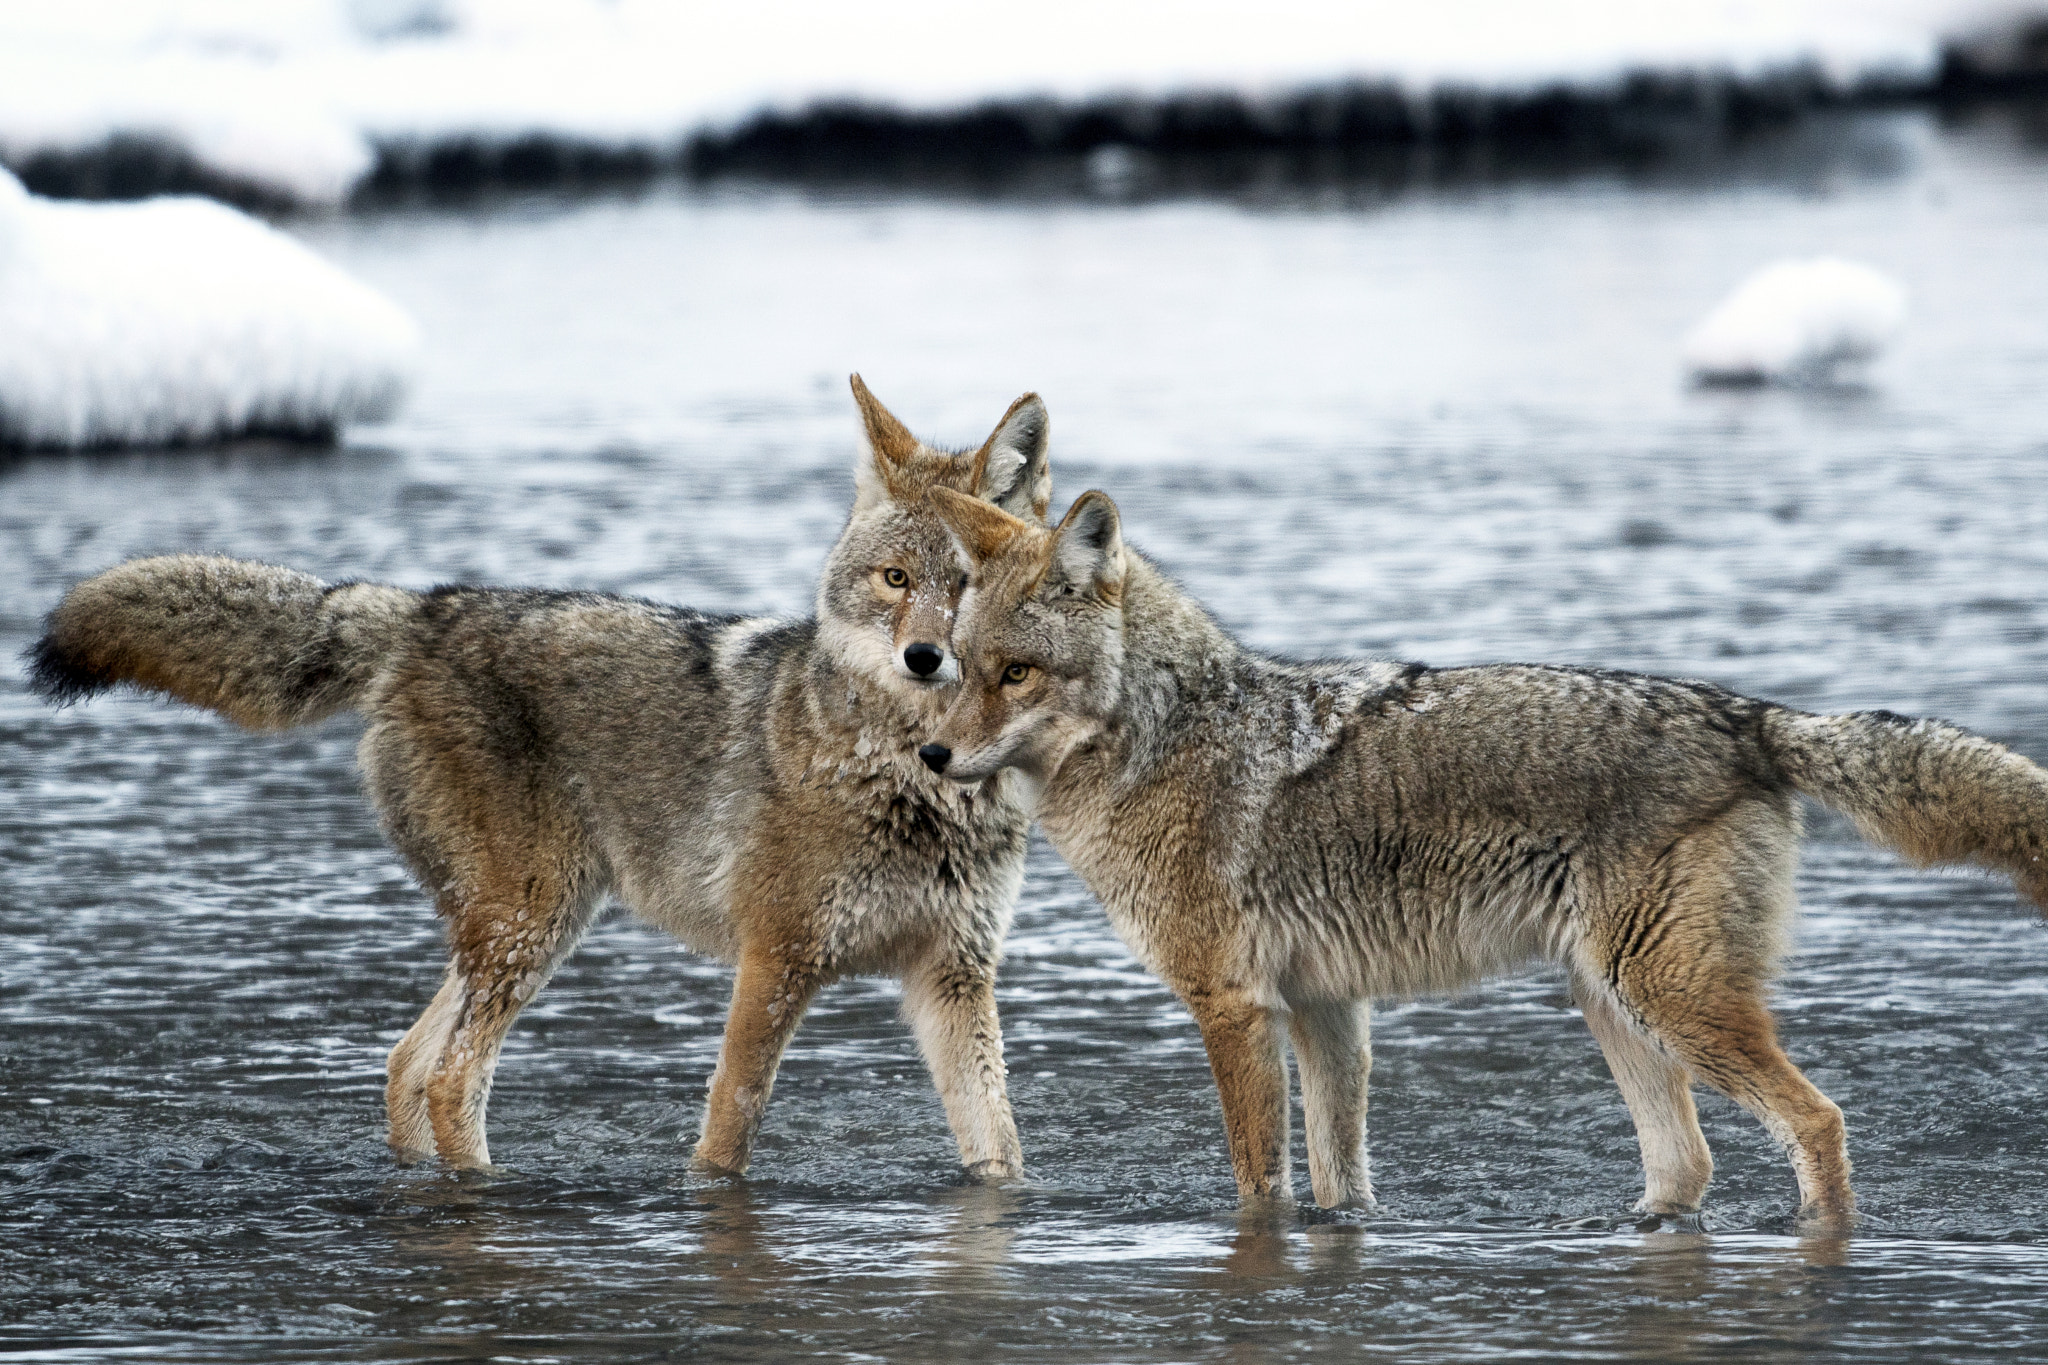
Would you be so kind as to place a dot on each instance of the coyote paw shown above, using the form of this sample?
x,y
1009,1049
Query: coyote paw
x,y
1266,1202
1827,1220
470,1162
1353,1195
410,1156
995,1171
1667,1221
702,1163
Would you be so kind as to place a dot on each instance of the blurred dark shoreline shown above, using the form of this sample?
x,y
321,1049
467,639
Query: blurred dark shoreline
x,y
1203,142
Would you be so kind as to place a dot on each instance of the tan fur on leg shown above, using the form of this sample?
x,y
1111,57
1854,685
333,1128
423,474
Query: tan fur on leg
x,y
1714,1022
1243,1040
768,1000
1731,1044
1687,953
460,1090
507,942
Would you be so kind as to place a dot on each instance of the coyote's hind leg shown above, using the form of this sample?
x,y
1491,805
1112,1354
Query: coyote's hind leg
x,y
1658,1089
1688,960
506,947
412,1064
1730,1042
470,797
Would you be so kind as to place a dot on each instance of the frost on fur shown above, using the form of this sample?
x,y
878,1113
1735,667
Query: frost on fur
x,y
1796,322
180,320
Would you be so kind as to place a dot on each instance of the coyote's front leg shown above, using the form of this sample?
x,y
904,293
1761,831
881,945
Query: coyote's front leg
x,y
951,1005
770,996
1333,1053
1243,1041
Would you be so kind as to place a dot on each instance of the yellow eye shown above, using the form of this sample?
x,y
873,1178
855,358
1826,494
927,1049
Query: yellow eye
x,y
896,578
1016,673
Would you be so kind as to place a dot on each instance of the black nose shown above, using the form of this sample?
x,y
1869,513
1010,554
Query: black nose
x,y
922,659
936,757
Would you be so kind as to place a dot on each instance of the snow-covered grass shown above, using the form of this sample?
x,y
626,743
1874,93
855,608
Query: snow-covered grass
x,y
1796,322
176,320
299,98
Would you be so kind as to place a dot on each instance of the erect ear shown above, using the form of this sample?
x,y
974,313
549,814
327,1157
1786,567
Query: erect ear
x,y
1088,547
980,530
1010,468
886,446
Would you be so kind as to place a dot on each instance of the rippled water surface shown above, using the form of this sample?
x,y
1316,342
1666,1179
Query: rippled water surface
x,y
1437,424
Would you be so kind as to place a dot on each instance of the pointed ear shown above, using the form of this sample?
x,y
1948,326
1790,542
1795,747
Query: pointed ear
x,y
1010,468
980,529
886,446
1088,547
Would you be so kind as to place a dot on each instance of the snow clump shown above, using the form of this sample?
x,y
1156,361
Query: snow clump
x,y
179,320
1796,322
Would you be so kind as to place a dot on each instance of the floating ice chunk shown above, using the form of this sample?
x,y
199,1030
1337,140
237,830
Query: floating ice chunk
x,y
176,320
1796,322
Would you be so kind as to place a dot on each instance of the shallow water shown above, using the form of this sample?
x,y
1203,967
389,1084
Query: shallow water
x,y
1442,425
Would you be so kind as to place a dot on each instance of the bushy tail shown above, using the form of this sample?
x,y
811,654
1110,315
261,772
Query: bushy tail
x,y
264,646
1935,793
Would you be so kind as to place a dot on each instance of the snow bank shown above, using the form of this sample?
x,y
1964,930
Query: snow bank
x,y
1796,322
181,320
301,97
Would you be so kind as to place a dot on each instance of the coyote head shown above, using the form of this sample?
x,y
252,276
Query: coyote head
x,y
892,583
1040,637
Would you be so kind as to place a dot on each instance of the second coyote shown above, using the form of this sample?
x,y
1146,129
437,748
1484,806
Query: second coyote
x,y
1283,841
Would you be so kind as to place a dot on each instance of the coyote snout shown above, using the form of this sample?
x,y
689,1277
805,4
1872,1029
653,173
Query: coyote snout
x,y
967,763
923,659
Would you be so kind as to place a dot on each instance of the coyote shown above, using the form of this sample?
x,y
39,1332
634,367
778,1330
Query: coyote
x,y
1283,841
748,784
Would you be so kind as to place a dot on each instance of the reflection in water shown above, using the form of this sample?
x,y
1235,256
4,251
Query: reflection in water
x,y
974,1242
1684,1288
460,1251
733,1243
1334,1249
1260,1248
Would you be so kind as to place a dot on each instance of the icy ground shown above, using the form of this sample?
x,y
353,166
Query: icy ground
x,y
296,98
177,320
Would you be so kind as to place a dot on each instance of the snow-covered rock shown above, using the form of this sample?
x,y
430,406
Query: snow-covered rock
x,y
298,98
176,320
1796,322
